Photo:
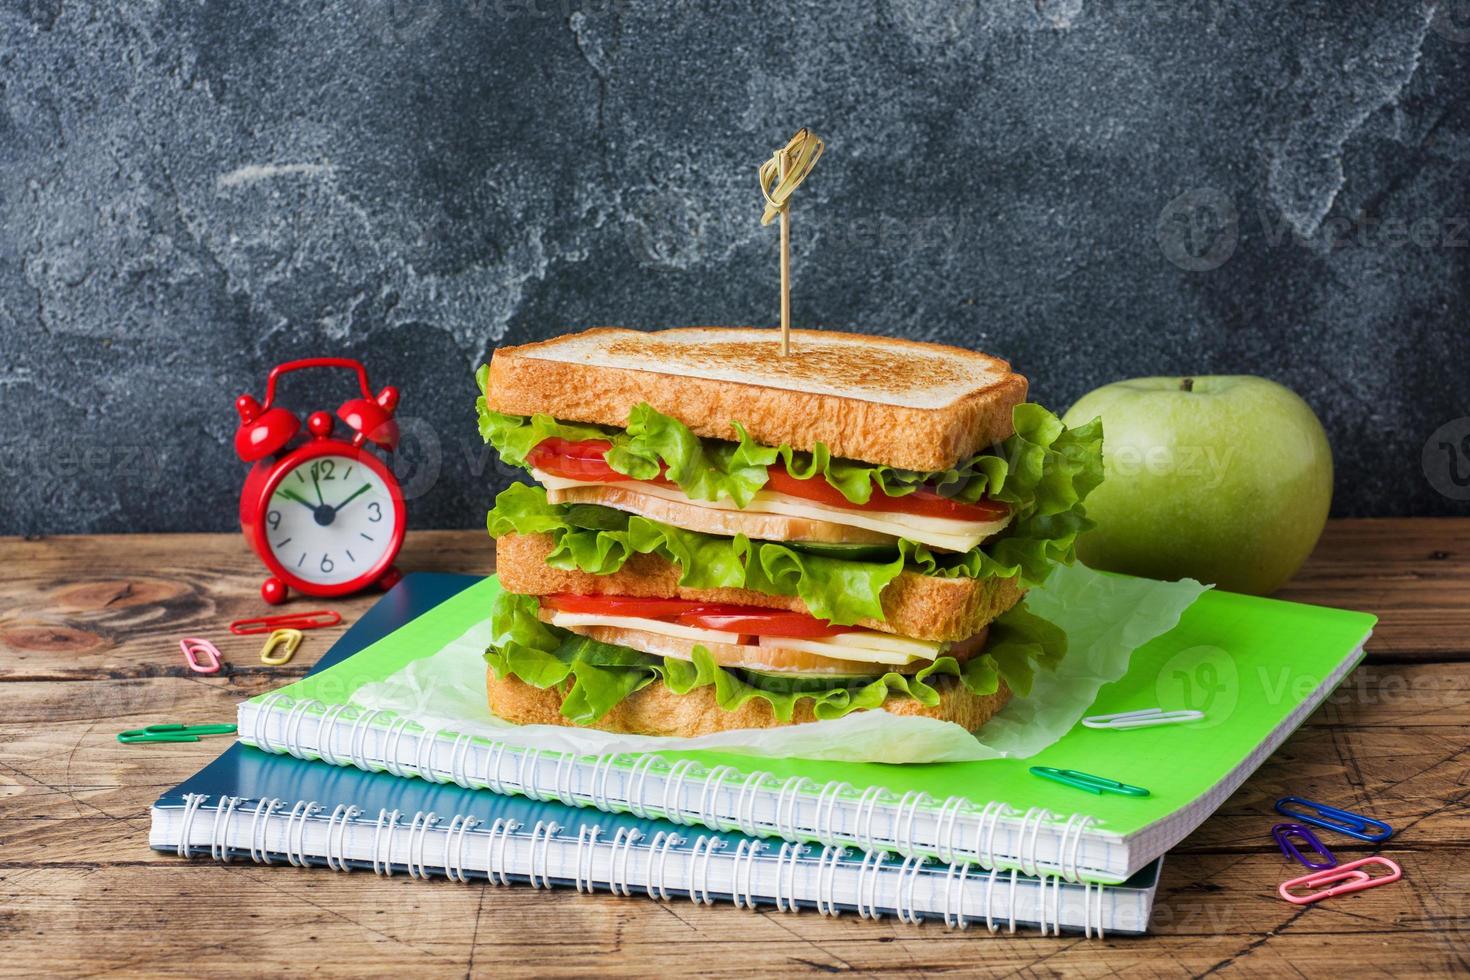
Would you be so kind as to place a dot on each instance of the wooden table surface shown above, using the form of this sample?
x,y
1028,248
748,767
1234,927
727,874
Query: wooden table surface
x,y
88,647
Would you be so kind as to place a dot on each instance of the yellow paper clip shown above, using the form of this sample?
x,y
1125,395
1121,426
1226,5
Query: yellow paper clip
x,y
287,639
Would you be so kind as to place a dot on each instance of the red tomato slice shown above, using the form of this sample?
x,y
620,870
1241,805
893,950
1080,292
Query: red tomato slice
x,y
574,460
579,460
763,622
923,502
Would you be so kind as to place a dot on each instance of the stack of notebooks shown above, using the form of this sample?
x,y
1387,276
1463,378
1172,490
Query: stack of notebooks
x,y
320,781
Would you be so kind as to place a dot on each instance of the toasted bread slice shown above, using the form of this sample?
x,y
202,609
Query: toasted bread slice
x,y
656,710
896,402
921,606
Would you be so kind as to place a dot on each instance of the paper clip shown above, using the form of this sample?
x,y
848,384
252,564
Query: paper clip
x,y
1087,781
173,733
1146,718
1353,880
287,639
1282,834
193,648
1347,822
294,621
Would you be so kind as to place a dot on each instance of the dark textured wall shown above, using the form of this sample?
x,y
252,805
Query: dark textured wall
x,y
193,191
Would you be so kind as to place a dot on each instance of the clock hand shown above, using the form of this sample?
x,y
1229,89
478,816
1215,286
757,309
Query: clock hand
x,y
315,483
354,495
293,495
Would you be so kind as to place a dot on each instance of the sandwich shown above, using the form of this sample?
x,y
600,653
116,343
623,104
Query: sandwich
x,y
716,536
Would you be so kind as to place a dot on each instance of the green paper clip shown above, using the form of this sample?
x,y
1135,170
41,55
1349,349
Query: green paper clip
x,y
173,733
1087,781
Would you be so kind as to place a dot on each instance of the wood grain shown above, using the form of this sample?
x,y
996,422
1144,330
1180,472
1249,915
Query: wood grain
x,y
268,920
88,632
1414,574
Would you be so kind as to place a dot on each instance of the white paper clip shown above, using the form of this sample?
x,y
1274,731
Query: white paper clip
x,y
1147,718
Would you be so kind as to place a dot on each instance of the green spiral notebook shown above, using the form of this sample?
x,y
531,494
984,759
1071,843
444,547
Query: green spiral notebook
x,y
1255,667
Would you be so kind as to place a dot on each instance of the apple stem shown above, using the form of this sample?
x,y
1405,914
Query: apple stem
x,y
1186,384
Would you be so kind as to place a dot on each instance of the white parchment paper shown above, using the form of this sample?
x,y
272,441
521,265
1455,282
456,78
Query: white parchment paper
x,y
1106,617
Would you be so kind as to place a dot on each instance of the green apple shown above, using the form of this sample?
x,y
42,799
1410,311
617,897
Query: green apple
x,y
1224,479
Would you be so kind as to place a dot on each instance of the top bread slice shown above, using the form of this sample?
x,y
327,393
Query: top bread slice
x,y
900,403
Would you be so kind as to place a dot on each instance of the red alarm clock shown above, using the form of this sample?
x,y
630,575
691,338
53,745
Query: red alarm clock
x,y
325,514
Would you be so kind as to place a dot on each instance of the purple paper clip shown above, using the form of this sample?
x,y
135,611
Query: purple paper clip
x,y
1283,832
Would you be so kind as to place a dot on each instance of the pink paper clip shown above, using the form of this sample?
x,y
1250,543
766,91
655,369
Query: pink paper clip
x,y
193,647
1350,876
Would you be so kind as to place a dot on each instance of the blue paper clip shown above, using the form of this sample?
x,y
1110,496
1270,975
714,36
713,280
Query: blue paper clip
x,y
1283,832
1086,780
1347,822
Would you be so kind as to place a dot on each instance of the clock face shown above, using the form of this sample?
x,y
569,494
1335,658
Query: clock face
x,y
330,520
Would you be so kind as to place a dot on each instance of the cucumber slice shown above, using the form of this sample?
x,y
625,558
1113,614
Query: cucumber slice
x,y
850,552
792,682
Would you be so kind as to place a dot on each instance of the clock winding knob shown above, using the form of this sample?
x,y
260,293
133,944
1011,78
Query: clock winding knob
x,y
320,424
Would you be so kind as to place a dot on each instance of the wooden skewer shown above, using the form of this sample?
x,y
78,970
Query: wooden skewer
x,y
779,176
782,166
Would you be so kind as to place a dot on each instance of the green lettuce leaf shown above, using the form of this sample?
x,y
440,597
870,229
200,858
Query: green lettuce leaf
x,y
594,676
705,469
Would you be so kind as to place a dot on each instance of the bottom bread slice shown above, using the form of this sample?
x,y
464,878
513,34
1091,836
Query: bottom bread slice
x,y
921,606
656,710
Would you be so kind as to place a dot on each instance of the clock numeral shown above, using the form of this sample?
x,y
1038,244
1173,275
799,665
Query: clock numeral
x,y
274,520
323,469
375,509
327,565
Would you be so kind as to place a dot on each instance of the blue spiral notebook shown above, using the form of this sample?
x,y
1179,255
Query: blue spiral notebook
x,y
273,809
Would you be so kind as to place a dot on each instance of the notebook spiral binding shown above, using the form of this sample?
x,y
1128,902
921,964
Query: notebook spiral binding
x,y
508,769
449,862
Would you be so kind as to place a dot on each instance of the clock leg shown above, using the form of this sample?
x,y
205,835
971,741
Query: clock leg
x,y
390,578
273,591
